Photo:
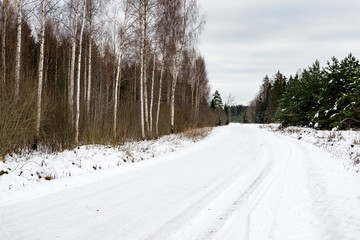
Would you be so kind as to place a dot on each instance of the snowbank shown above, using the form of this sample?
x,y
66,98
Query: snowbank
x,y
19,171
343,145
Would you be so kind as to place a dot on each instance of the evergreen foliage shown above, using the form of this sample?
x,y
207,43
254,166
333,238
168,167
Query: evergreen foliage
x,y
266,104
238,113
216,102
324,98
221,111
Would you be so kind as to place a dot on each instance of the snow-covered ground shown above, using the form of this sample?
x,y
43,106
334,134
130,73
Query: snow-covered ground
x,y
19,171
344,145
241,182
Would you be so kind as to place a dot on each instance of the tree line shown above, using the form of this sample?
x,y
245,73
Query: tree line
x,y
320,97
99,71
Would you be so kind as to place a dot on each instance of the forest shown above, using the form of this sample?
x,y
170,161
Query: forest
x,y
320,97
99,71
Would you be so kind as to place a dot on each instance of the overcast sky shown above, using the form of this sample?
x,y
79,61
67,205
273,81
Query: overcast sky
x,y
246,39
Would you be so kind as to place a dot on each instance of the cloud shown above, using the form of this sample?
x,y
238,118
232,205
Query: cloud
x,y
245,40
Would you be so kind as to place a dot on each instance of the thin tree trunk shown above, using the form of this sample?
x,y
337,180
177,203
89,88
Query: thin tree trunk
x,y
56,64
135,92
141,74
192,103
145,72
168,92
72,66
174,73
152,96
85,74
159,100
146,98
88,98
3,50
117,83
18,51
196,101
41,69
78,79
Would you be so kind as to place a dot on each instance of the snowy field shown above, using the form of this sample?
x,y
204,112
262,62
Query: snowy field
x,y
343,145
19,172
240,182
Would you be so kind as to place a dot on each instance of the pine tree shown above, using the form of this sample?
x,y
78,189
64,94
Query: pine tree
x,y
216,102
347,104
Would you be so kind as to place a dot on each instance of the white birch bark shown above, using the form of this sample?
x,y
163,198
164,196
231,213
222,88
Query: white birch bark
x,y
78,79
41,69
88,97
175,69
159,100
72,65
152,95
124,28
135,88
18,50
174,73
145,71
117,83
146,104
141,72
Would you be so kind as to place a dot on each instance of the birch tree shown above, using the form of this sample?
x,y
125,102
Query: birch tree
x,y
78,78
72,62
152,92
146,40
18,49
41,69
125,25
159,99
184,22
89,76
142,49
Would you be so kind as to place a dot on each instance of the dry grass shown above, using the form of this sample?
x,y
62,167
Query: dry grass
x,y
197,133
17,120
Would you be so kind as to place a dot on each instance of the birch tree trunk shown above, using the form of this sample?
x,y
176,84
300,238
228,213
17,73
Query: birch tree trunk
x,y
141,73
117,83
146,104
3,50
72,65
159,100
124,29
18,51
135,90
152,96
145,71
196,114
88,98
41,69
174,73
78,79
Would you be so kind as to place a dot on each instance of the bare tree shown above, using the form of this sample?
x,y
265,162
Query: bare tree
x,y
159,99
125,25
142,50
18,49
72,62
183,24
152,92
88,94
78,78
41,69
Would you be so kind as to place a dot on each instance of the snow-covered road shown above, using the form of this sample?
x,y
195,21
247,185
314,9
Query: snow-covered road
x,y
241,182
